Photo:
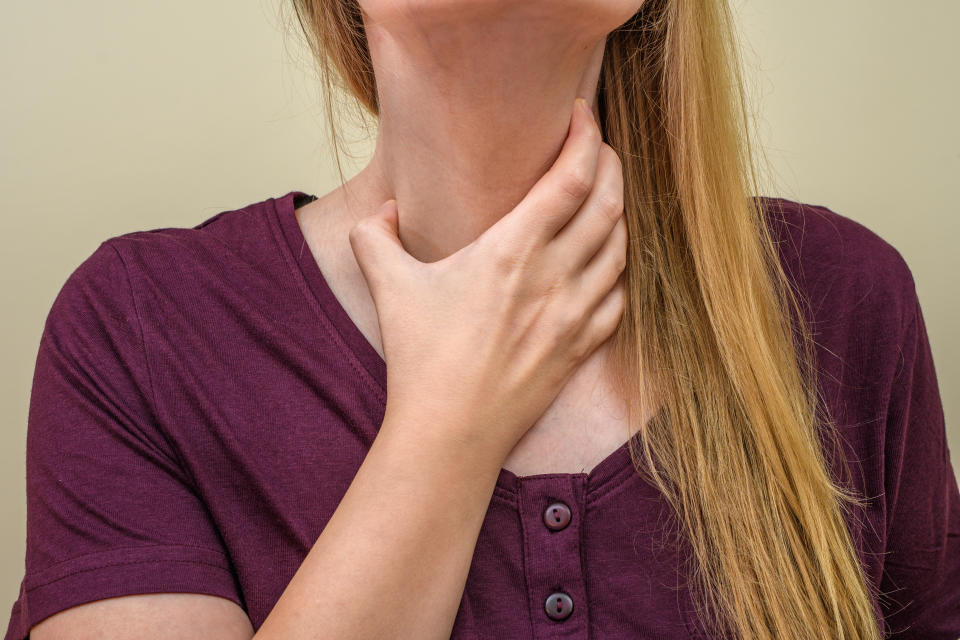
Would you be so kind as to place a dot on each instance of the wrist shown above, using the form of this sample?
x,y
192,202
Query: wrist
x,y
444,437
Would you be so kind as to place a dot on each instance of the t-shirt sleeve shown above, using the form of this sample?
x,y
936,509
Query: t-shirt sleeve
x,y
920,587
110,510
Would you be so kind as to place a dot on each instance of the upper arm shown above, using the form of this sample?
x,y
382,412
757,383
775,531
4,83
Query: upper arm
x,y
111,508
920,584
158,616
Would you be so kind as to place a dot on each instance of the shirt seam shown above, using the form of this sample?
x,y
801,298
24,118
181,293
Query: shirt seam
x,y
120,564
138,546
315,305
524,545
173,453
900,371
105,565
905,328
140,332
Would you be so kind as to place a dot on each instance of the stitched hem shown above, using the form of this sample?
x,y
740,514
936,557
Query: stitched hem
x,y
120,572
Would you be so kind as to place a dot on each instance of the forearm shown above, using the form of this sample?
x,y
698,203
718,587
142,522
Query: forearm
x,y
393,559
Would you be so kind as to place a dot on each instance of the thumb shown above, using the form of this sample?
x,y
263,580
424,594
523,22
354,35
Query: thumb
x,y
376,245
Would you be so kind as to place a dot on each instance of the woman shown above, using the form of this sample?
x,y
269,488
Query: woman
x,y
626,400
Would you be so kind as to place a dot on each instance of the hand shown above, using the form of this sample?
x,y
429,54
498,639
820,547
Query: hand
x,y
485,338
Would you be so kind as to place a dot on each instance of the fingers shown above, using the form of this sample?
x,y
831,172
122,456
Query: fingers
x,y
582,237
555,198
377,248
606,316
605,267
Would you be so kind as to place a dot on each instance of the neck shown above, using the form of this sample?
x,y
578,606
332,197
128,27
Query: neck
x,y
471,116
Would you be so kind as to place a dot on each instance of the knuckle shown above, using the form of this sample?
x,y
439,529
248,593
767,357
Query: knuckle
x,y
506,256
514,245
620,261
355,237
510,255
620,310
576,183
621,258
575,346
612,195
610,157
567,323
579,349
554,288
354,233
360,229
610,202
612,314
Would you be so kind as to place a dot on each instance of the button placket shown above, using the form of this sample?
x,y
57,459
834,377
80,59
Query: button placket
x,y
551,510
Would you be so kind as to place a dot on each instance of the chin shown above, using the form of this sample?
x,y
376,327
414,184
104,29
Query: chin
x,y
592,18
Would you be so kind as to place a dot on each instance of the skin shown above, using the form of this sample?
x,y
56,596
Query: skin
x,y
456,80
476,102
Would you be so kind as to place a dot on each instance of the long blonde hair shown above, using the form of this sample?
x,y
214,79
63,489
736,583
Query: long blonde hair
x,y
742,447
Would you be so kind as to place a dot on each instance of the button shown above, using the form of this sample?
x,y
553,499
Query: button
x,y
559,606
557,516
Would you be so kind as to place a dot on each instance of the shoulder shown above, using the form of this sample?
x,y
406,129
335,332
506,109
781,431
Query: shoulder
x,y
170,271
843,268
179,264
229,234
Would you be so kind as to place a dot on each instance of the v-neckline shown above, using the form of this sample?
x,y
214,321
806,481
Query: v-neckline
x,y
616,464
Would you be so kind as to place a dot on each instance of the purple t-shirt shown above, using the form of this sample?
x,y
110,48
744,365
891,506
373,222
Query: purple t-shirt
x,y
201,403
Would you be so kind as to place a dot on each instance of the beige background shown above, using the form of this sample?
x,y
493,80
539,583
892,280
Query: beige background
x,y
120,116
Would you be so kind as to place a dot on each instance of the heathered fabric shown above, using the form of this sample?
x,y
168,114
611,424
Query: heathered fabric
x,y
201,403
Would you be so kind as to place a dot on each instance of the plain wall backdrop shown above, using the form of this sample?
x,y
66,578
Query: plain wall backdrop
x,y
120,116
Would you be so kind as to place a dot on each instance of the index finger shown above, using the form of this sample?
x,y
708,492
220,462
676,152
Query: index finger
x,y
560,192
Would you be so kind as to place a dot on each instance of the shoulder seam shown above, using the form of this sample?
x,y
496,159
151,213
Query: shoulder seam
x,y
136,310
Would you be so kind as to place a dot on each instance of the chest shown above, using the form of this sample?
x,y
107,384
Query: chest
x,y
584,424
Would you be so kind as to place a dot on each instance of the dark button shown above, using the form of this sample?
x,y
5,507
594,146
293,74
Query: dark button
x,y
557,516
559,606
